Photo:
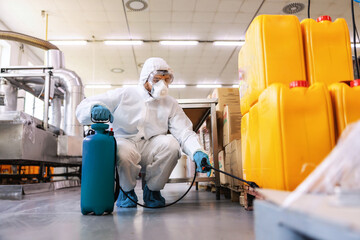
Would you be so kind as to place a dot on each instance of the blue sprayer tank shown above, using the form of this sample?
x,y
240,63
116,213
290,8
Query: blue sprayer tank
x,y
98,171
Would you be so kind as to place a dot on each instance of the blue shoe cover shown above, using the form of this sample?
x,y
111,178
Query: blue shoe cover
x,y
125,202
153,198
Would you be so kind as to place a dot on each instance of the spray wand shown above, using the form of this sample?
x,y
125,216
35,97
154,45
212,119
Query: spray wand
x,y
206,167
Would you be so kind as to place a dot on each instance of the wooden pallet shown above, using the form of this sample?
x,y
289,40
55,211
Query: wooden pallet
x,y
235,193
244,194
249,195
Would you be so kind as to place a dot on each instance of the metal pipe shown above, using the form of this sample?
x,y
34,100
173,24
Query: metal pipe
x,y
55,59
39,88
26,39
74,89
27,80
56,112
8,96
46,101
22,86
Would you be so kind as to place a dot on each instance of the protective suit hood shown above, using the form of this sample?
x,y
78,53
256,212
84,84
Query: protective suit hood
x,y
150,65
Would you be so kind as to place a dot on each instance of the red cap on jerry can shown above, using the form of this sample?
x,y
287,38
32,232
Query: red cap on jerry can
x,y
323,18
355,83
299,84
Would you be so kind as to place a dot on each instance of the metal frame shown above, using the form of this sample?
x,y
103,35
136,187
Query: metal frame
x,y
46,74
40,176
209,104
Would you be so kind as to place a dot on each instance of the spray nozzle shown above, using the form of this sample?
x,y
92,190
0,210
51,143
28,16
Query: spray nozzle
x,y
204,165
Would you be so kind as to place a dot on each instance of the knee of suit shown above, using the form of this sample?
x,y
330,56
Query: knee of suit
x,y
128,155
173,146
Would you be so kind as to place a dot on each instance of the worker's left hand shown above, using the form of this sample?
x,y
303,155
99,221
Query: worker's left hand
x,y
198,157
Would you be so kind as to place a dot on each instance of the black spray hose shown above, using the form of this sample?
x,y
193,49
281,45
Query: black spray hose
x,y
144,206
204,164
167,205
207,167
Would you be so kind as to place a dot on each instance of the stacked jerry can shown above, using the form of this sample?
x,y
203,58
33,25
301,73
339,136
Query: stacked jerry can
x,y
296,132
346,102
329,60
273,53
287,126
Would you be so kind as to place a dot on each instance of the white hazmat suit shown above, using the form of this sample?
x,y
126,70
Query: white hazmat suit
x,y
140,125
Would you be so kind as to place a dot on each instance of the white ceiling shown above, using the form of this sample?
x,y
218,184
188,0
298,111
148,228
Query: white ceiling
x,y
204,20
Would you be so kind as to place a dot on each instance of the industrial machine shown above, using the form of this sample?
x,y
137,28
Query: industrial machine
x,y
28,141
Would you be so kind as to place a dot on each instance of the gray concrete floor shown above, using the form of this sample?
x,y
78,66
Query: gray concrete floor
x,y
56,215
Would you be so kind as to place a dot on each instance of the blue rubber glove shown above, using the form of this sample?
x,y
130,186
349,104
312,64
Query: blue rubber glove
x,y
198,157
100,113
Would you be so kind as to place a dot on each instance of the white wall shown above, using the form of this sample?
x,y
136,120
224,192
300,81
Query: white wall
x,y
20,54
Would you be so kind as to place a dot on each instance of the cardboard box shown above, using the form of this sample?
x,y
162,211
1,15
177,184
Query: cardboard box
x,y
204,137
233,156
226,96
219,126
231,124
227,167
223,177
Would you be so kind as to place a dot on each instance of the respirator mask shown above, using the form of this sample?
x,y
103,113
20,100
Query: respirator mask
x,y
160,81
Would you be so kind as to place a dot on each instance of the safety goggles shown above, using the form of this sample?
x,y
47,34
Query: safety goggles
x,y
159,75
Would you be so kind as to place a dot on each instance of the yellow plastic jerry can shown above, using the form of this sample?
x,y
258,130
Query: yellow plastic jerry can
x,y
250,146
327,50
346,102
296,132
245,148
272,53
254,142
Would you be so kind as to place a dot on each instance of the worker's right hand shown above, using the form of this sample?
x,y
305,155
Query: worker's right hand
x,y
100,113
198,159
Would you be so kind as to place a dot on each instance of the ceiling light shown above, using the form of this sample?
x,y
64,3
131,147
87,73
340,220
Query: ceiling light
x,y
229,43
179,43
98,86
123,42
209,86
235,86
117,70
136,5
177,86
69,42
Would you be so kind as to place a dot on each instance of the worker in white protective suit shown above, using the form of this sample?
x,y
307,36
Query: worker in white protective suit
x,y
141,117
